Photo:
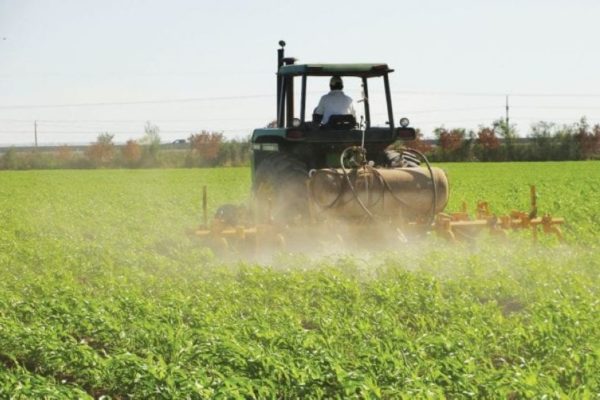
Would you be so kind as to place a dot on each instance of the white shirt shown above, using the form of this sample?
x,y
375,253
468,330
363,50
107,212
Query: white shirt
x,y
334,103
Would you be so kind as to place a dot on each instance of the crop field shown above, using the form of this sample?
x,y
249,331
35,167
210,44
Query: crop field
x,y
103,295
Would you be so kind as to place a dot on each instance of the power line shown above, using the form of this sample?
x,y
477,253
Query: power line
x,y
141,120
144,120
257,96
448,110
189,131
493,94
554,108
512,117
440,93
590,118
125,103
128,74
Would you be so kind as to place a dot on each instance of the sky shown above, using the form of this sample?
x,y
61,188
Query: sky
x,y
82,67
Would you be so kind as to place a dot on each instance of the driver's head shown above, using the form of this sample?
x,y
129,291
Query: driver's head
x,y
336,83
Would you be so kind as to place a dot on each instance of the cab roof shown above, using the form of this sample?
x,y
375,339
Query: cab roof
x,y
361,70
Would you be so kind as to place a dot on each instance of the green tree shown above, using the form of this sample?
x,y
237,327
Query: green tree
x,y
508,135
541,140
9,159
151,143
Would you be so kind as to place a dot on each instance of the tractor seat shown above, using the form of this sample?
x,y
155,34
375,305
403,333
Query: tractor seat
x,y
340,122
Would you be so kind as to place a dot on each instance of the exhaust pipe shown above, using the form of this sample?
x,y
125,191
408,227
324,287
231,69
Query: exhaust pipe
x,y
280,57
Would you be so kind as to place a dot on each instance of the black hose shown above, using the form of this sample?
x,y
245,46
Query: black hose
x,y
339,195
387,186
433,184
366,210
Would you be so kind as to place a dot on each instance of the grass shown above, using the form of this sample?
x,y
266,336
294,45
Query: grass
x,y
102,294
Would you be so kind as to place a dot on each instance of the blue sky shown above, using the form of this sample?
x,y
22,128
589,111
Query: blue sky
x,y
453,61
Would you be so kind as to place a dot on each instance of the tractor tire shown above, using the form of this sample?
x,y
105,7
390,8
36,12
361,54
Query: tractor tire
x,y
280,189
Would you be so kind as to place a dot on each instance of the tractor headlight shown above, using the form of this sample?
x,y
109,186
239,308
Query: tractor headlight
x,y
404,122
296,123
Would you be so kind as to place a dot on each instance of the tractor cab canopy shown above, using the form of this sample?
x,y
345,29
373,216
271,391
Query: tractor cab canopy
x,y
359,70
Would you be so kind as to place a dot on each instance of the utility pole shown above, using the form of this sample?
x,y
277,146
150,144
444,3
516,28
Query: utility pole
x,y
507,119
35,133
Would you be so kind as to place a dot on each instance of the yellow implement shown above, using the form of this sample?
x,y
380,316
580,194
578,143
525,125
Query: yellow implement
x,y
247,236
460,225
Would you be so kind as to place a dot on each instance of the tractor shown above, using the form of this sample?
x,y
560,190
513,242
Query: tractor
x,y
315,182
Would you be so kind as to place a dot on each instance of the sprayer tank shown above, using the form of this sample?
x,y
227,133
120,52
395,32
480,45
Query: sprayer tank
x,y
390,192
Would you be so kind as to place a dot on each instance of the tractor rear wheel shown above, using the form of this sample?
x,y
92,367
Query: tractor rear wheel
x,y
280,189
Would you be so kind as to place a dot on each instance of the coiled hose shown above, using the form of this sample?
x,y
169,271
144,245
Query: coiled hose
x,y
384,184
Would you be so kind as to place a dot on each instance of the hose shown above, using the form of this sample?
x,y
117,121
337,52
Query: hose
x,y
386,185
433,183
337,198
431,177
365,209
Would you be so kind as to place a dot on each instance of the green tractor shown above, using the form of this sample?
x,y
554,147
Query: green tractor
x,y
297,142
308,175
340,180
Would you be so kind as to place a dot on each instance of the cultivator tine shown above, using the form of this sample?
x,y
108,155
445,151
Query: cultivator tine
x,y
551,227
533,195
443,225
459,225
204,206
462,215
220,234
483,210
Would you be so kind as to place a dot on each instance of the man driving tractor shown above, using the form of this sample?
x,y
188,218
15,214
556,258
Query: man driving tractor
x,y
334,103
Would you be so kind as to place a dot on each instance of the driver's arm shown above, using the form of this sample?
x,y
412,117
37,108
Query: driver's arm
x,y
317,118
318,112
320,109
352,111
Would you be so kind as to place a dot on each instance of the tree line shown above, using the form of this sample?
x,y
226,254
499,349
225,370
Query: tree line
x,y
547,141
496,142
202,149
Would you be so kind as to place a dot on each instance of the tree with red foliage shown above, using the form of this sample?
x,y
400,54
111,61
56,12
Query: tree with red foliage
x,y
451,144
486,138
450,140
102,151
132,153
419,144
206,146
487,144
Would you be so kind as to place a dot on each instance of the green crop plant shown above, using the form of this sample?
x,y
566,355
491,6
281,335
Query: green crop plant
x,y
103,295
